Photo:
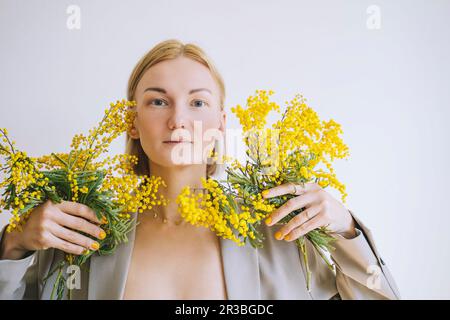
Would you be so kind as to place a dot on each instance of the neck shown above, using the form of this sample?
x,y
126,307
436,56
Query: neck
x,y
176,178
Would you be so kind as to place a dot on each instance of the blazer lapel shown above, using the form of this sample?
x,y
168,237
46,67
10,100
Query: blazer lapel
x,y
108,273
241,270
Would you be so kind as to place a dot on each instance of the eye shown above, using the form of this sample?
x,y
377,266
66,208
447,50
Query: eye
x,y
158,102
199,103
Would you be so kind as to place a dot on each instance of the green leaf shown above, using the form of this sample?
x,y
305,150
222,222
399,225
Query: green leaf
x,y
60,160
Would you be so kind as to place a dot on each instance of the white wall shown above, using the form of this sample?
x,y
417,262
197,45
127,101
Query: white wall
x,y
388,87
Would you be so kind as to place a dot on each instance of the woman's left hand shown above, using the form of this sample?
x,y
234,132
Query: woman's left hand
x,y
321,209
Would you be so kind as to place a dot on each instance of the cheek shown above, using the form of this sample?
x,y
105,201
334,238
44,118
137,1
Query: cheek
x,y
150,127
210,120
211,129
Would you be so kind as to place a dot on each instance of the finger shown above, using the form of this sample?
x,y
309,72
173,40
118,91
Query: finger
x,y
74,237
80,224
304,200
66,246
288,188
78,209
298,220
314,223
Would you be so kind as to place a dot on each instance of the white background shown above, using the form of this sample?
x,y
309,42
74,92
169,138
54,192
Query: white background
x,y
388,87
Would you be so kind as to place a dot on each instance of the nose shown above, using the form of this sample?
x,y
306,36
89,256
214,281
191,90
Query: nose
x,y
177,120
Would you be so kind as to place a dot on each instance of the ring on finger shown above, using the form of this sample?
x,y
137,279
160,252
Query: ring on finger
x,y
307,215
296,191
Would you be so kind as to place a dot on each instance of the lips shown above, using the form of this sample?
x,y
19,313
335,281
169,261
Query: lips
x,y
174,142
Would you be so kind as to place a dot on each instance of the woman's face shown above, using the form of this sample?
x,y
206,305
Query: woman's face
x,y
177,100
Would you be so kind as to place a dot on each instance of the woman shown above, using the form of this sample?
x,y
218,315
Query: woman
x,y
177,88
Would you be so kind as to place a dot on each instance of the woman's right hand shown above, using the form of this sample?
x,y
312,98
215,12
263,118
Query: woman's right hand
x,y
54,226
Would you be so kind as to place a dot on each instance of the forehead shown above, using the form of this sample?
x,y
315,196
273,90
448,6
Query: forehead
x,y
178,75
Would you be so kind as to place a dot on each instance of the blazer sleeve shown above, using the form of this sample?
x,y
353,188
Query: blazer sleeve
x,y
360,271
18,278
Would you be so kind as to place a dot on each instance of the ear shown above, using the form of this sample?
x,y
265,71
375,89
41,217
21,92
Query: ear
x,y
134,132
223,121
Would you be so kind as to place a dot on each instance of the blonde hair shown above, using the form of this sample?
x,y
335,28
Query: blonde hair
x,y
167,50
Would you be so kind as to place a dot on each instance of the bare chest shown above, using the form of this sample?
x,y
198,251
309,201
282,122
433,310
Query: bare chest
x,y
171,265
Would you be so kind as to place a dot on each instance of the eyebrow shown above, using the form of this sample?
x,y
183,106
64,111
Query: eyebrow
x,y
165,92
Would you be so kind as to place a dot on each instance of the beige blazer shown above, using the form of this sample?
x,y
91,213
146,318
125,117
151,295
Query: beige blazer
x,y
273,272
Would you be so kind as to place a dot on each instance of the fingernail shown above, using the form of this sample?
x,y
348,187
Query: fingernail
x,y
102,235
264,193
86,251
95,245
278,235
104,220
287,237
268,220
